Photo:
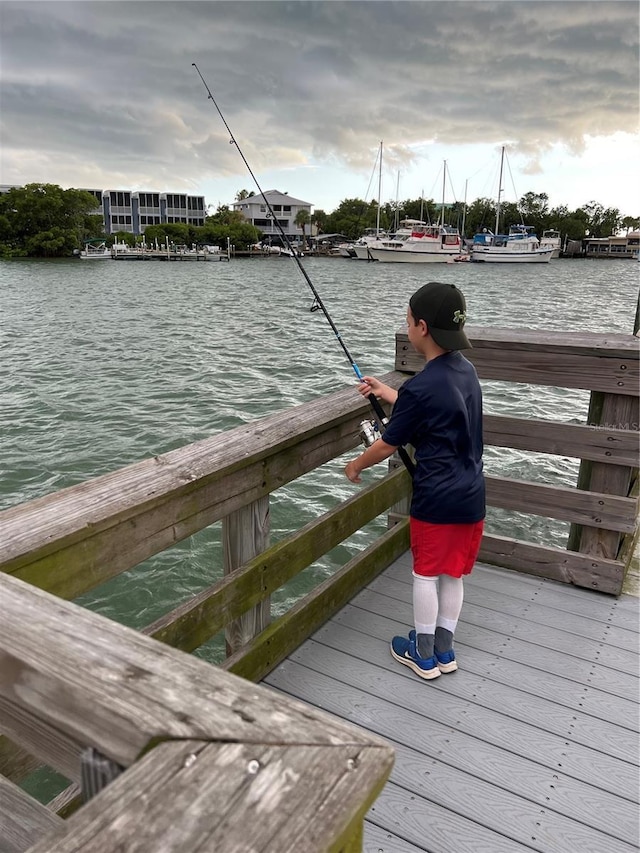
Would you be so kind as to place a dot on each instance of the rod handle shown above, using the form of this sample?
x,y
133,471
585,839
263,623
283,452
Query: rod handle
x,y
382,418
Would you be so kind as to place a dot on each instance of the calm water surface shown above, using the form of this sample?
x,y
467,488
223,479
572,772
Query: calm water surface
x,y
103,364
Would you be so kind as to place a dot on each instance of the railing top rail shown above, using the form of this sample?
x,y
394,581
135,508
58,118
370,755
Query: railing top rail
x,y
614,344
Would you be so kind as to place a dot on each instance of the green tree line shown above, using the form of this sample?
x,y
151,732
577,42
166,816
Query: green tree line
x,y
45,220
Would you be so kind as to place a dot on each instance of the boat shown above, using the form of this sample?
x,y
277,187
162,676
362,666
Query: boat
x,y
371,237
423,243
551,239
95,253
345,250
519,246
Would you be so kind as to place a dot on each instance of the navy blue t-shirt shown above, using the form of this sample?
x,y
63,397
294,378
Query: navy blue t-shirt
x,y
439,412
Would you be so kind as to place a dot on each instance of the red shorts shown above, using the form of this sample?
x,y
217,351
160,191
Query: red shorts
x,y
444,549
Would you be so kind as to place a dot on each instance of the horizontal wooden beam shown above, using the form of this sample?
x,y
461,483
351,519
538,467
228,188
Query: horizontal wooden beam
x,y
232,796
202,616
554,563
594,509
78,538
607,443
608,363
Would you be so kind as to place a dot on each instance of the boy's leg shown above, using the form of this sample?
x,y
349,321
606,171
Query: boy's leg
x,y
451,596
425,613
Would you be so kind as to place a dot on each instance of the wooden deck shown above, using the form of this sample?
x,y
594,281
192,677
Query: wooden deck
x,y
532,745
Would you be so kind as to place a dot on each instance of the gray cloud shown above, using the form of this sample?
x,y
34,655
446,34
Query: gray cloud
x,y
108,88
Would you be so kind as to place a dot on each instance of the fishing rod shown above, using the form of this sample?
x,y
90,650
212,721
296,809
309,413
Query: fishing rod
x,y
367,435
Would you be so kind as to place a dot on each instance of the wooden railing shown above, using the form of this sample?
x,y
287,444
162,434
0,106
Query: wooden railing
x,y
67,543
602,510
201,759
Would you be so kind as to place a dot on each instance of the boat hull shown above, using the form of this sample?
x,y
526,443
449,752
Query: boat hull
x,y
406,256
362,253
496,256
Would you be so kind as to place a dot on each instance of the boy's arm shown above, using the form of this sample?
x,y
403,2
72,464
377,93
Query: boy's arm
x,y
378,452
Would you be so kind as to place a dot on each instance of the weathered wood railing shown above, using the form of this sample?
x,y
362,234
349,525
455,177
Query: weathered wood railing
x,y
77,539
211,761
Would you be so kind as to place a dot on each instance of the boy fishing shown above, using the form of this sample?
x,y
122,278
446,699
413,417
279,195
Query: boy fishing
x,y
439,412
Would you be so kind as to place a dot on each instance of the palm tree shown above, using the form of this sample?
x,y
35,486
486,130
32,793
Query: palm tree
x,y
302,220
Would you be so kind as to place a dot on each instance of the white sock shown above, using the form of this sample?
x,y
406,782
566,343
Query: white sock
x,y
425,604
450,597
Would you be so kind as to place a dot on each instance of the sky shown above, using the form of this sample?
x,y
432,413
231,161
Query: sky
x,y
104,95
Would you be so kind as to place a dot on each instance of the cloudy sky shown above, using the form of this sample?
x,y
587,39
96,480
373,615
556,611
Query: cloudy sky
x,y
104,95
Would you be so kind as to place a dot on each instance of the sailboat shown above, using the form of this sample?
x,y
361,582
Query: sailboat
x,y
423,243
371,237
519,246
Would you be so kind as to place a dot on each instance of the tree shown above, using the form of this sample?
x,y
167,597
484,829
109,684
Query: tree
x,y
319,220
351,218
630,223
601,222
229,224
301,221
44,219
242,194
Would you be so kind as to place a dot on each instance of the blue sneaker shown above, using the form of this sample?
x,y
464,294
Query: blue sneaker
x,y
446,661
403,649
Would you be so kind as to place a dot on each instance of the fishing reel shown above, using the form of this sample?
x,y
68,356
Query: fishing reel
x,y
369,432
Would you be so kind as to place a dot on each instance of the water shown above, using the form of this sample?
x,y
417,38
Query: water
x,y
103,365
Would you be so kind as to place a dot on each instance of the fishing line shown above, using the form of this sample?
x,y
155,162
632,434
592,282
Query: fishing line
x,y
318,304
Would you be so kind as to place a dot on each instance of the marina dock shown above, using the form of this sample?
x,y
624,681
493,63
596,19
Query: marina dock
x,y
531,745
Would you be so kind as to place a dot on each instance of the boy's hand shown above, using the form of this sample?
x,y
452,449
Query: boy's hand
x,y
352,473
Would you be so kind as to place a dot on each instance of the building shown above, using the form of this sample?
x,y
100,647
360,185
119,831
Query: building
x,y
133,211
285,208
625,246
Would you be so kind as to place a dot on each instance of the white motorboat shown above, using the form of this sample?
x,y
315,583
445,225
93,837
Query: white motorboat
x,y
424,244
371,237
551,240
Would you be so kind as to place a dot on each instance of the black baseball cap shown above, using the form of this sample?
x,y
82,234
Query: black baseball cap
x,y
444,310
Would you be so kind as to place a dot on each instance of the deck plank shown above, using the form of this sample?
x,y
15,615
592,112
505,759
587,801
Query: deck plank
x,y
531,745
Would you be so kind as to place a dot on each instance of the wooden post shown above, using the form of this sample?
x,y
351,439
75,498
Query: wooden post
x,y
606,411
245,534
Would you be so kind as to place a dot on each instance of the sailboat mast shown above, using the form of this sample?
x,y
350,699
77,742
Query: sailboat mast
x,y
444,181
379,195
499,191
464,214
397,216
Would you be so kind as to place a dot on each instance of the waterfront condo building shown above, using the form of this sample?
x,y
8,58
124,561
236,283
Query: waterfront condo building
x,y
133,211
